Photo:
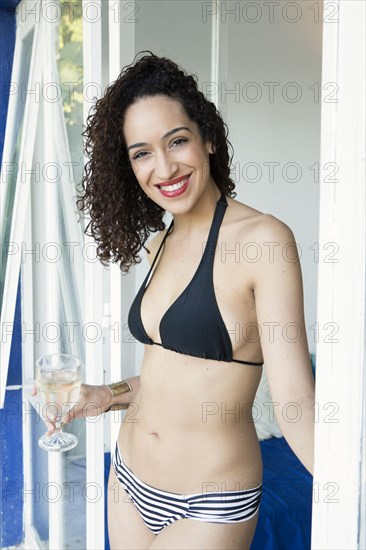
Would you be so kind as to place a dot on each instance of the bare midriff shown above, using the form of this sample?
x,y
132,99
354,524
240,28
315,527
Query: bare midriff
x,y
190,428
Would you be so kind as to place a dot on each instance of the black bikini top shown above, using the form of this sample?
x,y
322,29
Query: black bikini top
x,y
193,324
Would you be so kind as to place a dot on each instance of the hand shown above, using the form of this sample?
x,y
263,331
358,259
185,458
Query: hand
x,y
49,424
92,401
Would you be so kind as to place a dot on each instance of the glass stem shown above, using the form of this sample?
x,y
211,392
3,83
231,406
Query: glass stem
x,y
58,425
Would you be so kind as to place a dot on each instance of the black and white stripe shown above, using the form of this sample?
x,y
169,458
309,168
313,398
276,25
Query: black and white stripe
x,y
161,508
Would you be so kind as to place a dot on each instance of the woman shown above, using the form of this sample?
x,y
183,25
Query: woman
x,y
187,462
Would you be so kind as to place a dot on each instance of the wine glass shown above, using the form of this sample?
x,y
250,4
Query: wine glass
x,y
58,380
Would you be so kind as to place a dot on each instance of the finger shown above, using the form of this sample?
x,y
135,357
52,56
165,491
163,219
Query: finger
x,y
82,410
68,417
34,390
75,412
50,428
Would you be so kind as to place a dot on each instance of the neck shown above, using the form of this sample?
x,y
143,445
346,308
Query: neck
x,y
200,216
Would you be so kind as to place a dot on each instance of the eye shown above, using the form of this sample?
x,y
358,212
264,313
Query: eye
x,y
179,141
139,155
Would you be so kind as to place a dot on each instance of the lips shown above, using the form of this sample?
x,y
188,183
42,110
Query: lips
x,y
174,187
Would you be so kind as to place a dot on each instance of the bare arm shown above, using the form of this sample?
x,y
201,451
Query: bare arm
x,y
95,400
280,312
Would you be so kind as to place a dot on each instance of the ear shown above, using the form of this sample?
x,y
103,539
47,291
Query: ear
x,y
209,147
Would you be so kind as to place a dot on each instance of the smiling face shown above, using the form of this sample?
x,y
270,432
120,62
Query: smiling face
x,y
167,154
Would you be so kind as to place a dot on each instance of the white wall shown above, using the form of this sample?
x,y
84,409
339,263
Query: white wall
x,y
176,30
275,129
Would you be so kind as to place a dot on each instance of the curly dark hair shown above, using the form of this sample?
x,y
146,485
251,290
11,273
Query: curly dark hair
x,y
121,214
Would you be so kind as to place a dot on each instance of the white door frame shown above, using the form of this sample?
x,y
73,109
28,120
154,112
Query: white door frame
x,y
340,373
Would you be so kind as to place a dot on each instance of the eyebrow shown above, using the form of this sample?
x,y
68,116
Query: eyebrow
x,y
168,134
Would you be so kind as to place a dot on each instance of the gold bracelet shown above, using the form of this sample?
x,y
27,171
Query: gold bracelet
x,y
117,388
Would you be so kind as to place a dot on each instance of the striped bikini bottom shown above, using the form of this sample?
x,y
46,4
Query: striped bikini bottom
x,y
161,508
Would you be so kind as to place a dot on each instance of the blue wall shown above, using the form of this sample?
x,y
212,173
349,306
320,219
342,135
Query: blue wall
x,y
11,441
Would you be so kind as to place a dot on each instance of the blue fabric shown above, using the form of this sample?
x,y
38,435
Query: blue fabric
x,y
284,521
11,473
11,441
7,43
15,364
107,466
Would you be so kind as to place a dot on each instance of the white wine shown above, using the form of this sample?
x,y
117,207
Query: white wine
x,y
58,389
58,380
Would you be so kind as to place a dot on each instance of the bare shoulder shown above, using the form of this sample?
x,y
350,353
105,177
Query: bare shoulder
x,y
265,246
259,227
153,244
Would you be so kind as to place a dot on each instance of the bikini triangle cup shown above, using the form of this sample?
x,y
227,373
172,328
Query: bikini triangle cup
x,y
192,325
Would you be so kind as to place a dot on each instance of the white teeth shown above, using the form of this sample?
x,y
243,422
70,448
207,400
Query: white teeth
x,y
175,186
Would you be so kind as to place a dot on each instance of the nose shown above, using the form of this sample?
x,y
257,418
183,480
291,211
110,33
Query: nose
x,y
165,167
